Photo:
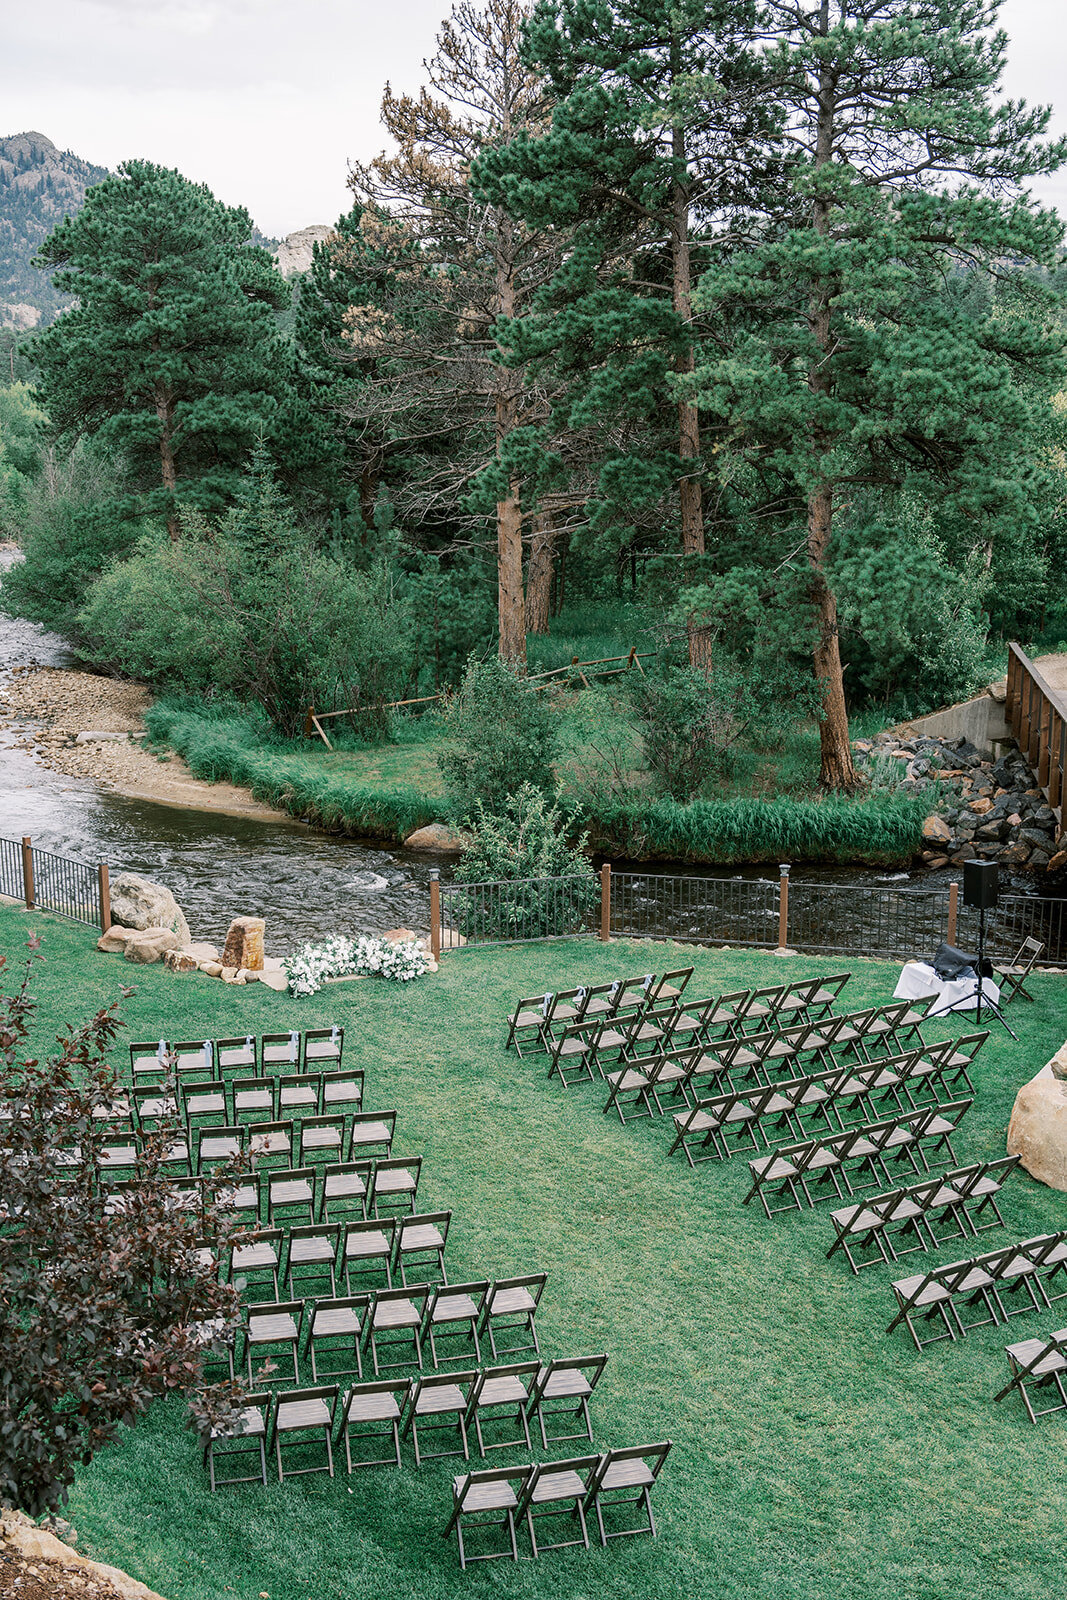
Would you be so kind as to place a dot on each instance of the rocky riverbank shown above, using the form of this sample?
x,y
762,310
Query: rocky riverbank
x,y
984,810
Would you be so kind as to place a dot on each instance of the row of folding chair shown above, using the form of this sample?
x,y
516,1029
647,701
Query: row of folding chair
x,y
326,1253
504,1498
859,1158
193,1100
1038,1368
830,1101
203,1150
533,1018
957,1202
962,1295
312,1049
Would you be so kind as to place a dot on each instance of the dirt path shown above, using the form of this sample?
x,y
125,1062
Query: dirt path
x,y
50,707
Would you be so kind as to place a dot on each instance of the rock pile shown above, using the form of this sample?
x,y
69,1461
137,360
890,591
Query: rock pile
x,y
148,925
990,810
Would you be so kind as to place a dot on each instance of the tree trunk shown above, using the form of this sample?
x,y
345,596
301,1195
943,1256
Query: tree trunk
x,y
539,573
368,493
509,578
836,768
165,414
688,419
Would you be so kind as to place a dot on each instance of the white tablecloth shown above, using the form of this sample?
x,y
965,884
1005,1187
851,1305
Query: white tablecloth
x,y
918,979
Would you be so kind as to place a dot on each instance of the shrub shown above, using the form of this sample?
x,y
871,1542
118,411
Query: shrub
x,y
101,1310
528,843
503,736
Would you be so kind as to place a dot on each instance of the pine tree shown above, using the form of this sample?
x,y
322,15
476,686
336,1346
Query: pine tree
x,y
844,363
170,356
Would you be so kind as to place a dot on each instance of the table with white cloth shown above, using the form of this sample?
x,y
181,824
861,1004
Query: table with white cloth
x,y
918,980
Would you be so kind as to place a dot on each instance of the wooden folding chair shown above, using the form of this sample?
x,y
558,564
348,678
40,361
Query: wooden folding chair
x,y
368,1250
1053,1257
1012,979
573,1053
307,1413
299,1094
290,1195
961,1060
394,1186
1038,1364
453,1314
933,1139
117,1156
270,1144
528,1023
625,1478
237,1058
323,1047
255,1099
311,1257
371,1134
669,985
245,1435
420,1246
338,1327
928,1295
373,1410
1016,1272
280,1052
342,1092
151,1062
628,1088
255,1255
438,1402
276,1326
152,1105
563,1389
779,1172
557,1489
396,1321
863,1227
343,1192
194,1058
219,1146
203,1103
487,1499
510,1309
500,1395
322,1139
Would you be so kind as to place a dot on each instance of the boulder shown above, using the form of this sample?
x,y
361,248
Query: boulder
x,y
437,836
274,980
982,805
1058,862
1015,855
202,951
150,944
137,902
22,1536
937,830
231,975
180,961
933,861
113,942
399,936
244,944
1037,1132
212,968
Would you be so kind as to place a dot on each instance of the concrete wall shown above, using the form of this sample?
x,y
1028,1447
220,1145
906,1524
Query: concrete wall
x,y
980,720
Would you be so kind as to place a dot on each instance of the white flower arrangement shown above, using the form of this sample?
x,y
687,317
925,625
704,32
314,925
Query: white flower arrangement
x,y
339,957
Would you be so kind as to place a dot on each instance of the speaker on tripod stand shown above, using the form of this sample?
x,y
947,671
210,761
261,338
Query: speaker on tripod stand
x,y
981,890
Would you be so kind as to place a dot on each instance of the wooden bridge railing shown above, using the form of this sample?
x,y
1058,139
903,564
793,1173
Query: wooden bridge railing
x,y
1037,716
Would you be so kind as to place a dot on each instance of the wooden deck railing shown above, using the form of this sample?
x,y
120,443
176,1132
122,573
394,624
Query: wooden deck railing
x,y
1037,716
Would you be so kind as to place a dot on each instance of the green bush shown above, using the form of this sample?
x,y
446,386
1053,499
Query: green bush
x,y
502,734
540,881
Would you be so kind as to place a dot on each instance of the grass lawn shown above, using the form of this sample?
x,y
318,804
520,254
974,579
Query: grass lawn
x,y
813,1457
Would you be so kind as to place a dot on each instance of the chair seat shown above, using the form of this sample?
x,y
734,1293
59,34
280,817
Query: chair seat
x,y
774,1167
557,1486
298,1097
380,1407
249,1424
255,1099
861,1220
219,1147
940,1125
248,1256
396,1314
611,1039
977,1278
573,1047
699,1122
302,1414
342,1319
424,1237
371,1133
305,1250
367,1244
270,1144
529,1019
931,1294
627,1475
287,1193
321,1138
399,1181
263,1329
566,1386
454,1308
487,1496
507,1300
441,1398
630,1079
345,1186
502,1391
905,1210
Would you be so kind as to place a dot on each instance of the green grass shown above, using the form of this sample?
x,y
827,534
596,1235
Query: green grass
x,y
813,1459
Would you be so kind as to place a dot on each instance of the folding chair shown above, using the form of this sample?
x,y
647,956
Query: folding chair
x,y
270,1143
438,1402
307,1412
253,1256
371,1134
500,1395
153,1104
219,1146
929,1295
368,1249
116,1156
290,1195
558,1489
255,1099
670,1075
944,1200
396,1321
487,1499
669,986
278,1051
510,1308
311,1257
420,1245
342,1092
115,1112
779,1172
961,1060
194,1058
1038,1364
562,1389
245,1435
1053,1248
277,1325
203,1103
394,1185
337,1330
862,1227
1014,1271
237,1058
699,1130
1013,978
299,1094
618,1474
323,1045
627,1082
150,1062
373,1410
528,1023
572,1052
322,1138
933,1139
452,1316
753,1012
343,1192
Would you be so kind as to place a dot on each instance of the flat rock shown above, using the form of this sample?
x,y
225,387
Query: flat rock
x,y
1037,1132
113,942
91,737
180,961
212,968
437,836
137,902
150,944
400,936
274,980
273,964
32,1543
202,951
982,805
1058,862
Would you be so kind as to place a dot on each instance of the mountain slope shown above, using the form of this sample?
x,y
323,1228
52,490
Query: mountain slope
x,y
39,186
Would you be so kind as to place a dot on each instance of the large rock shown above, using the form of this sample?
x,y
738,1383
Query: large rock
x,y
244,944
113,942
437,836
936,830
150,944
1037,1132
180,961
22,1537
137,902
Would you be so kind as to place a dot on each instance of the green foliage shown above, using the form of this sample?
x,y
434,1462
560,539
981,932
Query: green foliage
x,y
521,853
502,735
21,453
140,618
691,720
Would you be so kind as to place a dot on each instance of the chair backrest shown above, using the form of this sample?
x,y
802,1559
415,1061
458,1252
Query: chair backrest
x,y
280,1050
237,1057
590,1367
651,1455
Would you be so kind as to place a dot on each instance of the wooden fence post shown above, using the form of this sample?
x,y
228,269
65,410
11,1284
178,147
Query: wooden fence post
x,y
605,902
27,871
435,913
783,906
953,907
105,896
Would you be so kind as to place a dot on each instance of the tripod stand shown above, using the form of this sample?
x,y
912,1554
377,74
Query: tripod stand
x,y
983,1000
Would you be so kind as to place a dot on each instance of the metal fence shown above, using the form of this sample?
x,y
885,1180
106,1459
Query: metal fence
x,y
735,911
1017,917
841,919
529,908
41,880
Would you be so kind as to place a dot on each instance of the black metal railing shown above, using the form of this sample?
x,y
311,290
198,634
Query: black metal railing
x,y
840,919
529,908
735,911
47,882
1014,918
11,882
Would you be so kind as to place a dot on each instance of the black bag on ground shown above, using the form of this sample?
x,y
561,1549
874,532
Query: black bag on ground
x,y
950,963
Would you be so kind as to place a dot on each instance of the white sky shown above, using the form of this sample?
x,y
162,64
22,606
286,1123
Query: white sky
x,y
266,101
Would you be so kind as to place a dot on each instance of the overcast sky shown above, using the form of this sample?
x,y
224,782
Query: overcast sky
x,y
267,100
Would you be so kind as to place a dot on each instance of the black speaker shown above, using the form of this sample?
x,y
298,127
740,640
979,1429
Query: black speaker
x,y
981,884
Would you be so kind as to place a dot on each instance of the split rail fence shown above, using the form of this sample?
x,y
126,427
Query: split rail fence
x,y
753,913
46,882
